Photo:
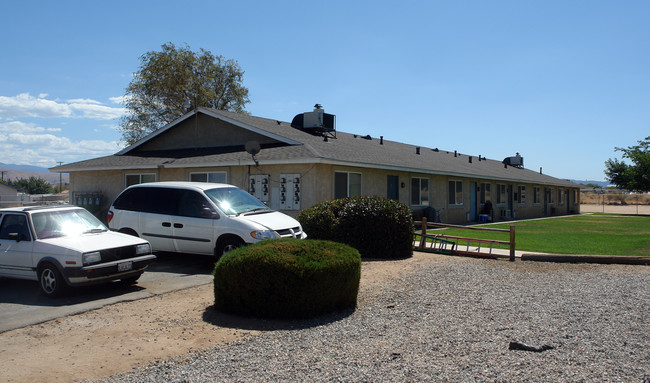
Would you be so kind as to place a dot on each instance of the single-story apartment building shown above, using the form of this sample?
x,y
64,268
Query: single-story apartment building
x,y
292,166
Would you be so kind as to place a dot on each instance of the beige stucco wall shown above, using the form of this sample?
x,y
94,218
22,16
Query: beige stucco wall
x,y
317,184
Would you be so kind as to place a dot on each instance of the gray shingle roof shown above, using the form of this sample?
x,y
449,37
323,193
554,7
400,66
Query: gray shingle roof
x,y
345,149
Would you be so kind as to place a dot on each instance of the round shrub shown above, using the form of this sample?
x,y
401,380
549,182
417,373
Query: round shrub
x,y
287,278
377,227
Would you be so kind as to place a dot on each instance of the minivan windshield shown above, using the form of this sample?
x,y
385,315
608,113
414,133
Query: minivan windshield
x,y
234,201
61,223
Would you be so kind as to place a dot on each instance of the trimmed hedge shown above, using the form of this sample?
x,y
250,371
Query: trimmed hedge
x,y
377,227
287,278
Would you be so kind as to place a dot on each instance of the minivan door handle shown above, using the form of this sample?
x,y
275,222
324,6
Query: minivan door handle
x,y
167,224
178,225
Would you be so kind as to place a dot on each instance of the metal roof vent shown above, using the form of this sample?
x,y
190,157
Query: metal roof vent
x,y
316,122
516,161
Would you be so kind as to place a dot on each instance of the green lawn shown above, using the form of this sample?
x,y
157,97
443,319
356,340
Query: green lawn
x,y
600,234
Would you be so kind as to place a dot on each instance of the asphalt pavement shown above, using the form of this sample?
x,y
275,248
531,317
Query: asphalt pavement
x,y
22,303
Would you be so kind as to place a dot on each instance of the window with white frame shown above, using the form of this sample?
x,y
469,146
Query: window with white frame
x,y
419,191
134,179
551,196
536,195
486,192
212,177
575,196
521,194
455,192
347,184
560,192
501,193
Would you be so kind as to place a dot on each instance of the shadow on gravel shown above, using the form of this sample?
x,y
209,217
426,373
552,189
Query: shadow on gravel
x,y
217,318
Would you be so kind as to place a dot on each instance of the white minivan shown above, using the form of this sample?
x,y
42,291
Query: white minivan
x,y
197,217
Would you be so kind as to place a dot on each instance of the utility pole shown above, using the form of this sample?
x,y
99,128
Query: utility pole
x,y
60,178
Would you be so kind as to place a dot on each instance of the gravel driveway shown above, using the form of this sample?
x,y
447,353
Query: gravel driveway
x,y
452,320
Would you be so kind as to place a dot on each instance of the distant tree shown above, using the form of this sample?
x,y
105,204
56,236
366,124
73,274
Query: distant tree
x,y
32,185
176,80
635,176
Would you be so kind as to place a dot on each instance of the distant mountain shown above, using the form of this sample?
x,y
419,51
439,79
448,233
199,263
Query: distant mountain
x,y
24,168
602,184
14,172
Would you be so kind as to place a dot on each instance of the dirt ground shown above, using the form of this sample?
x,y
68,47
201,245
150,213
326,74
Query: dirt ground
x,y
616,209
126,335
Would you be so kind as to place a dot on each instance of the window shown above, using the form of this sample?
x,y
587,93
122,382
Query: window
x,y
419,191
455,192
15,224
134,179
575,196
347,184
550,193
536,195
559,196
501,193
485,193
212,177
193,204
521,194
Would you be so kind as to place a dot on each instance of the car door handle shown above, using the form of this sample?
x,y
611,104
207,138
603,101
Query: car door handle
x,y
178,225
167,224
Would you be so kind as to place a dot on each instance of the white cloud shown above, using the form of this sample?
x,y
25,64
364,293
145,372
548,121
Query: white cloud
x,y
84,101
25,105
28,143
118,100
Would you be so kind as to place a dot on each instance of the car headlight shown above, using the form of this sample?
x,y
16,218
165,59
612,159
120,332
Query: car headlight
x,y
262,234
144,248
93,257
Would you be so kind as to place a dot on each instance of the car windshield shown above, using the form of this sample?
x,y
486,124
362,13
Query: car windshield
x,y
63,223
234,201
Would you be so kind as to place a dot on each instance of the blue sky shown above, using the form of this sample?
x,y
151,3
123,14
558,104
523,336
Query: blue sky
x,y
560,82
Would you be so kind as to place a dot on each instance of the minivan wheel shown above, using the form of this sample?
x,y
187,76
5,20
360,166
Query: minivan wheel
x,y
228,244
51,280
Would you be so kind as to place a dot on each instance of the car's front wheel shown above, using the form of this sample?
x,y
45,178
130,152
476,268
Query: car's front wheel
x,y
227,244
51,280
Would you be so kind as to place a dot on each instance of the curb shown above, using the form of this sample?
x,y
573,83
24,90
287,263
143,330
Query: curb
x,y
601,259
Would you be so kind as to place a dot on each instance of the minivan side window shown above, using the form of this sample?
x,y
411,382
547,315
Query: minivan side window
x,y
193,204
149,200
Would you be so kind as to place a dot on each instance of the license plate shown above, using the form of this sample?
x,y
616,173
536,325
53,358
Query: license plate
x,y
124,266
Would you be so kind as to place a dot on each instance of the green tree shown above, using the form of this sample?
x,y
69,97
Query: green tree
x,y
176,80
635,176
32,185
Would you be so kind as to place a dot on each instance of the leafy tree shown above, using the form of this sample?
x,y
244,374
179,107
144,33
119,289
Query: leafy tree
x,y
175,80
32,185
635,176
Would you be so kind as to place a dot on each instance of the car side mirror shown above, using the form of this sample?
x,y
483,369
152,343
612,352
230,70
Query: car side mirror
x,y
206,212
14,237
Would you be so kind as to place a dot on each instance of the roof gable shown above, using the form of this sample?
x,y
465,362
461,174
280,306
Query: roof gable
x,y
202,129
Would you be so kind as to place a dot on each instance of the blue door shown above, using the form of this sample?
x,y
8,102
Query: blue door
x,y
472,202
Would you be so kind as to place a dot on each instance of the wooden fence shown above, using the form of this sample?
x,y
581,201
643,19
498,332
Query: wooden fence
x,y
448,244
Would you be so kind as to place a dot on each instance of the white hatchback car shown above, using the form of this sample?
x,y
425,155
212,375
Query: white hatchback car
x,y
197,217
67,246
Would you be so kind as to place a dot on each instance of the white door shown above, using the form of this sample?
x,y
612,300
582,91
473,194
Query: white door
x,y
193,224
16,255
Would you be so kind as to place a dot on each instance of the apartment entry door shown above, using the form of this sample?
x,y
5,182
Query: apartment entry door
x,y
472,202
392,191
